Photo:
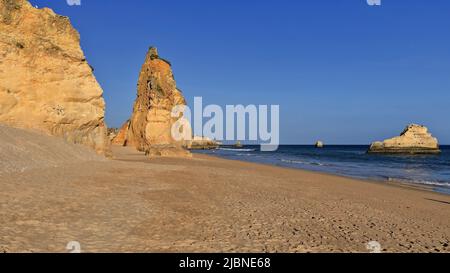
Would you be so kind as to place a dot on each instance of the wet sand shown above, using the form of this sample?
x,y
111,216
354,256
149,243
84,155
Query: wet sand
x,y
207,204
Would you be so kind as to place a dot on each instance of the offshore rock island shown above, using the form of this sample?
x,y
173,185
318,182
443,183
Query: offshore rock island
x,y
415,139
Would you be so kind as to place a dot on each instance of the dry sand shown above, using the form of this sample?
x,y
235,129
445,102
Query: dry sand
x,y
204,204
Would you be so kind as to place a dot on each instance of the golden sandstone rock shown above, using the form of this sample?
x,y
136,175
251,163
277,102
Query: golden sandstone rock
x,y
150,126
415,139
45,81
202,143
122,136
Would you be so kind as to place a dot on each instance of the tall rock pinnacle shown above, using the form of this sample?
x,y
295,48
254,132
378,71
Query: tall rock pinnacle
x,y
149,128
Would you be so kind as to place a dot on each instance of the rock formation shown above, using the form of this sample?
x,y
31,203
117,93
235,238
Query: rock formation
x,y
319,144
150,126
122,137
45,82
238,144
415,139
112,133
202,143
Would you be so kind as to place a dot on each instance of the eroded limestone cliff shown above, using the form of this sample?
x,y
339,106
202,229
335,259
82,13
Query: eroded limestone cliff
x,y
46,83
149,128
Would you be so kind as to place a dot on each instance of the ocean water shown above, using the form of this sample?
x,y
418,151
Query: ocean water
x,y
430,171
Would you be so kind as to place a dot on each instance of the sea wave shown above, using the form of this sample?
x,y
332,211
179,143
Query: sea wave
x,y
420,182
302,162
237,150
352,161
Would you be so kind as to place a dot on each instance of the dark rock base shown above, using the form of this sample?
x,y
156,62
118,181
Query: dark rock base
x,y
403,151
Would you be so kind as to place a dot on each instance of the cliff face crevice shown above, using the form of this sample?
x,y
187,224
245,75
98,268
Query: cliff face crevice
x,y
149,128
46,83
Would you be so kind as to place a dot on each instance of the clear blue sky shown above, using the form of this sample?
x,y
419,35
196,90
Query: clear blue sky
x,y
341,71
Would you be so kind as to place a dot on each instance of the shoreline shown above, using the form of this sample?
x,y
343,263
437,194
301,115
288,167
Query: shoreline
x,y
370,176
401,185
133,203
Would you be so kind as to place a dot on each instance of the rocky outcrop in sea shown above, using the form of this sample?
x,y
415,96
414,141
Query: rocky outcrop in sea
x,y
415,139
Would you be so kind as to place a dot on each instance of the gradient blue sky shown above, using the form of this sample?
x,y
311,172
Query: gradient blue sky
x,y
341,71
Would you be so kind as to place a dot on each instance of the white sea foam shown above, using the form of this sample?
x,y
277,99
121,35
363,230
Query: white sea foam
x,y
237,150
420,182
302,162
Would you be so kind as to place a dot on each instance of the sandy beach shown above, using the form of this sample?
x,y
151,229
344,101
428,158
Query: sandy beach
x,y
224,127
206,204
